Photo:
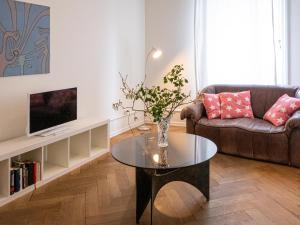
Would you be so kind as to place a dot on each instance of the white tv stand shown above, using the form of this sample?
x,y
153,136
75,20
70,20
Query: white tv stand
x,y
83,141
55,131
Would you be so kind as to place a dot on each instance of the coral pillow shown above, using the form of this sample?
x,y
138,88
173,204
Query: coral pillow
x,y
211,103
281,111
236,105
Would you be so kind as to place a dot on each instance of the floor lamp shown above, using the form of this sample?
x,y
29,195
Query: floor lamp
x,y
154,53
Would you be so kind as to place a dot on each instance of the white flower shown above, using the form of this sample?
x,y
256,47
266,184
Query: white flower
x,y
247,107
229,108
283,110
293,105
229,99
213,115
239,102
210,99
212,107
247,99
273,115
280,120
238,110
235,94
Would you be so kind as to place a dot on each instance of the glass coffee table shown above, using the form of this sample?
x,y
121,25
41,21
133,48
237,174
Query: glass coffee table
x,y
185,159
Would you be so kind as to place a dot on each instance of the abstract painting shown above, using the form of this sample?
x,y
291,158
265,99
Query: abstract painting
x,y
24,38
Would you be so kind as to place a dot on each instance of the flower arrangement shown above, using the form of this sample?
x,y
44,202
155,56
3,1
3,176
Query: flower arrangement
x,y
159,102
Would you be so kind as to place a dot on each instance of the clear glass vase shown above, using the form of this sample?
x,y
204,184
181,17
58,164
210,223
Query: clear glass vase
x,y
162,131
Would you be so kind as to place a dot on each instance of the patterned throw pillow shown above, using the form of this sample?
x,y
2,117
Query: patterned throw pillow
x,y
212,105
281,111
236,105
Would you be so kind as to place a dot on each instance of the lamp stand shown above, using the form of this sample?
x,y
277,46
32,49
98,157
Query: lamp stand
x,y
144,127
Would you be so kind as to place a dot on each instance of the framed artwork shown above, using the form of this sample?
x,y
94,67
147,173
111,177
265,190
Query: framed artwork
x,y
24,39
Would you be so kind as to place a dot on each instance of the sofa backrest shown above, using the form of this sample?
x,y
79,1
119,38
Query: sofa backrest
x,y
262,96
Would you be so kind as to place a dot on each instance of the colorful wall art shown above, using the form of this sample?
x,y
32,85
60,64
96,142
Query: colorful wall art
x,y
24,39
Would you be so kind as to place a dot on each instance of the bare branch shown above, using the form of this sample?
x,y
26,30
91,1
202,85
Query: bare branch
x,y
158,102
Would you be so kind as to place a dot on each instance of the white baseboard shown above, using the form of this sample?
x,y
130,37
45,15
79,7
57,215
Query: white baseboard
x,y
178,124
124,129
120,125
175,121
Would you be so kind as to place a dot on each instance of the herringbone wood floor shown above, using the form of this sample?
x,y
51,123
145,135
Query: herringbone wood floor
x,y
103,192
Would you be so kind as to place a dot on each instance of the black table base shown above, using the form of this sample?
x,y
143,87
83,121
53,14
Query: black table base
x,y
150,181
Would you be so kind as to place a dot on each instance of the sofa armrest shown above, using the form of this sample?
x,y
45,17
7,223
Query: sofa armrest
x,y
293,122
193,111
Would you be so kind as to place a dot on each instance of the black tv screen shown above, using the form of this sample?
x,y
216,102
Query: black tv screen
x,y
51,109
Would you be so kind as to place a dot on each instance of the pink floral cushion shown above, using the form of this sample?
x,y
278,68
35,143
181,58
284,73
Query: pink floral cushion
x,y
236,105
281,111
212,105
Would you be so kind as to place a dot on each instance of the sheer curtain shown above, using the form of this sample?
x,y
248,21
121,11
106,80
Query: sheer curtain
x,y
240,42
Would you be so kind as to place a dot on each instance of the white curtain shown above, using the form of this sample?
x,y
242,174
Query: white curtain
x,y
240,42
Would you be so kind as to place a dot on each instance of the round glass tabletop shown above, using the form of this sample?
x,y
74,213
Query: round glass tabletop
x,y
184,150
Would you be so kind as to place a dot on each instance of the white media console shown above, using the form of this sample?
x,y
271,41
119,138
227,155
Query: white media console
x,y
83,141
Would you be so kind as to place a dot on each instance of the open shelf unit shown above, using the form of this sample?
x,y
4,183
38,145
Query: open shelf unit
x,y
80,146
83,141
4,176
33,155
98,145
56,158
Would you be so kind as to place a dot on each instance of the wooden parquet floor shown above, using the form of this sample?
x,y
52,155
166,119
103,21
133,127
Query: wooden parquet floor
x,y
243,192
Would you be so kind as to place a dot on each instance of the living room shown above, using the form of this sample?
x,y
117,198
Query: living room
x,y
171,112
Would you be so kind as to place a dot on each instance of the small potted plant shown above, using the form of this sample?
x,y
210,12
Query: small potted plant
x,y
159,102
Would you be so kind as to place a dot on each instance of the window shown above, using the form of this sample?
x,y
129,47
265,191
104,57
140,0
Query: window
x,y
240,42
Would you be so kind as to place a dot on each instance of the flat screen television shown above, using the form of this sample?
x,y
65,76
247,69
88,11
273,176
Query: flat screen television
x,y
49,110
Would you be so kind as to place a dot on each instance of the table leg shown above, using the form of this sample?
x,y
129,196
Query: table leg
x,y
149,182
197,175
152,205
143,192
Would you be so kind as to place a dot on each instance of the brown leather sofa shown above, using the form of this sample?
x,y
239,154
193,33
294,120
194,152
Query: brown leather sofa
x,y
251,138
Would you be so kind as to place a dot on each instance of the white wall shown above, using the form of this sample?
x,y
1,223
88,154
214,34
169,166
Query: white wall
x,y
170,27
294,41
91,41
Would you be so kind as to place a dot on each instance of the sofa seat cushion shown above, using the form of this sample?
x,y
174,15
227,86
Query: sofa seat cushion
x,y
251,138
251,125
